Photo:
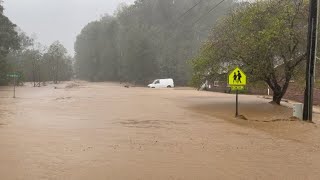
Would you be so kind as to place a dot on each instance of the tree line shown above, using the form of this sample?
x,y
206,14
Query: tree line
x,y
146,40
33,62
156,39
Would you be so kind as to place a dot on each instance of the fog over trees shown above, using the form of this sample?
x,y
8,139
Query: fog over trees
x,y
187,40
22,55
147,40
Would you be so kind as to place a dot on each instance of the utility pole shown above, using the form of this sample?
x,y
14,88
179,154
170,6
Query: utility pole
x,y
311,55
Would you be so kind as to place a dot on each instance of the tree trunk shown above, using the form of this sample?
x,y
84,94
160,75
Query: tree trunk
x,y
277,97
278,91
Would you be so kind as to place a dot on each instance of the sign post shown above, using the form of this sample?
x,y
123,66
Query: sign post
x,y
14,76
237,80
14,86
237,104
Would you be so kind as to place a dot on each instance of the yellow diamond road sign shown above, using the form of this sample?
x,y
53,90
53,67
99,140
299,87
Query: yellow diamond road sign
x,y
237,78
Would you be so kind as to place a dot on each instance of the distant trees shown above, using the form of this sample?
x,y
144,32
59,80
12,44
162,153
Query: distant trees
x,y
19,53
266,38
38,64
8,36
147,40
60,66
31,66
9,41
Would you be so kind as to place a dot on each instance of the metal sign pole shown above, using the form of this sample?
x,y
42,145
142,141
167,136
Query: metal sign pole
x,y
14,86
237,103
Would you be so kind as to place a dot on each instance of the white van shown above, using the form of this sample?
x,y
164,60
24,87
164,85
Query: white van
x,y
162,83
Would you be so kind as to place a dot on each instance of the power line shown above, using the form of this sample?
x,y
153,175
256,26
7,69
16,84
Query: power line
x,y
182,15
189,9
185,13
213,8
191,27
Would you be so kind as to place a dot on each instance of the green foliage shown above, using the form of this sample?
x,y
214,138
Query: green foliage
x,y
146,40
39,65
59,64
18,54
204,68
266,38
9,40
8,36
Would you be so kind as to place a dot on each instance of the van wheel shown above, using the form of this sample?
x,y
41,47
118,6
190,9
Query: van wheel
x,y
169,86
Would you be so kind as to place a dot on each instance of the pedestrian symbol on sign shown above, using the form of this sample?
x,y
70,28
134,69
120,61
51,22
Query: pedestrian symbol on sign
x,y
237,78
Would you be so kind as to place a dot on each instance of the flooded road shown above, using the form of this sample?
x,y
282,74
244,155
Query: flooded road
x,y
105,131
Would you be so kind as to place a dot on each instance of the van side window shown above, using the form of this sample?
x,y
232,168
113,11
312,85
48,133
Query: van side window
x,y
157,82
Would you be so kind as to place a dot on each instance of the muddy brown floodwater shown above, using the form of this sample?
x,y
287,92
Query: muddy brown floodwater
x,y
82,130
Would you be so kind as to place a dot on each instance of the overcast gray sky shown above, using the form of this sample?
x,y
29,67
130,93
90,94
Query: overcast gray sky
x,y
59,20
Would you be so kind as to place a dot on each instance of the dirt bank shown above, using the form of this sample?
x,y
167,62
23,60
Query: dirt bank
x,y
259,114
